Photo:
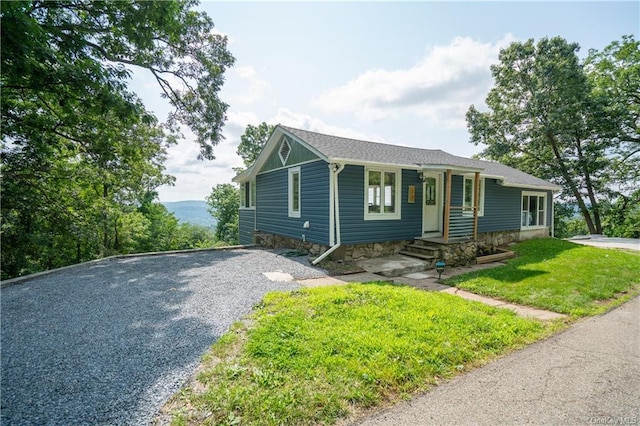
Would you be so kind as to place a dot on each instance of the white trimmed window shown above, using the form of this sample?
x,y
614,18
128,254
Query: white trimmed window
x,y
294,192
468,195
248,195
382,194
534,209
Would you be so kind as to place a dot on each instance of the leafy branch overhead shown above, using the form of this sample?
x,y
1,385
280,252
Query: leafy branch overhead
x,y
60,54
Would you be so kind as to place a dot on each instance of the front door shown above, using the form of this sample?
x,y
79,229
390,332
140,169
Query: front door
x,y
432,204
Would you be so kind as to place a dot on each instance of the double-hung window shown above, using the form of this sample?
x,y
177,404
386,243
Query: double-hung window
x,y
382,194
468,196
534,209
248,194
294,192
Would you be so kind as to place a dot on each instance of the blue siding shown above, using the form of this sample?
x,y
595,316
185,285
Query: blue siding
x,y
356,230
502,206
272,203
246,226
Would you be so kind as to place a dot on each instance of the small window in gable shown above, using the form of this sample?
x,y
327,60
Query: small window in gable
x,y
285,149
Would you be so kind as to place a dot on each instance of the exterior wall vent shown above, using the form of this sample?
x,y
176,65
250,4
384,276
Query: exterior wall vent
x,y
285,150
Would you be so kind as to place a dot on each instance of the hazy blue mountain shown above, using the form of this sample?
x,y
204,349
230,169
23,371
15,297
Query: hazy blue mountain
x,y
191,211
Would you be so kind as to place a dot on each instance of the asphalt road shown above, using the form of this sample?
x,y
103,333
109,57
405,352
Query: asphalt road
x,y
109,342
589,374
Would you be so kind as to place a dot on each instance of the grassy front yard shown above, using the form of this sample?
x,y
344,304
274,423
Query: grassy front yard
x,y
560,276
315,355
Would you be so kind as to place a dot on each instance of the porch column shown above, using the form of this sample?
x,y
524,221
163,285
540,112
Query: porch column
x,y
447,207
476,199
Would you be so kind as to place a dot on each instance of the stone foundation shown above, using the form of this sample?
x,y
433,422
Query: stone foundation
x,y
272,241
503,238
457,253
368,251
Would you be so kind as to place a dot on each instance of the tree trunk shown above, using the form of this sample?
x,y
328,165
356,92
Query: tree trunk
x,y
595,207
567,177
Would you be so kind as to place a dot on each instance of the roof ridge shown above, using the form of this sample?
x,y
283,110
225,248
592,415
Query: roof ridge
x,y
362,140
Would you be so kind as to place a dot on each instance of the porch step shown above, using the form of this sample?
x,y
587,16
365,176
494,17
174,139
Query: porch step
x,y
425,249
417,255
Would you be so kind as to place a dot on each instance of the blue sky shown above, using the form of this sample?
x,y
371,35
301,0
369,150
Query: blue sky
x,y
402,73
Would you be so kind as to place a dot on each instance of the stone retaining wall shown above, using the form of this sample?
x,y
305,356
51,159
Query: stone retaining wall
x,y
459,254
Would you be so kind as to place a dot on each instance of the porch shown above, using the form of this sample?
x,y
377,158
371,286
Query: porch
x,y
443,221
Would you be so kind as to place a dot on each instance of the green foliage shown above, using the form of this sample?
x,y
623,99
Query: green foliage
x,y
252,141
80,153
571,123
566,223
622,217
311,356
560,276
224,203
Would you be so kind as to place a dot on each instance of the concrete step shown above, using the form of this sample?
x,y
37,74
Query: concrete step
x,y
394,266
416,254
419,248
424,244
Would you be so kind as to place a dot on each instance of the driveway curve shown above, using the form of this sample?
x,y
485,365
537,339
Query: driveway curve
x,y
108,342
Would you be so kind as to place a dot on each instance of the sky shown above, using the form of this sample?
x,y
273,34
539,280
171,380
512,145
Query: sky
x,y
403,73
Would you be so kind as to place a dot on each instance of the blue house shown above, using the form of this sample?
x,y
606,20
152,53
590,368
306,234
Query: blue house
x,y
353,199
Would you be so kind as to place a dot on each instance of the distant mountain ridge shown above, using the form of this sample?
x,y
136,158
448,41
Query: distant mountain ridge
x,y
191,211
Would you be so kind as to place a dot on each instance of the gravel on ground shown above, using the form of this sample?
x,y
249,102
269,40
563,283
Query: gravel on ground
x,y
108,342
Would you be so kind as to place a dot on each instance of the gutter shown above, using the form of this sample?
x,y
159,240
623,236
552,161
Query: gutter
x,y
334,211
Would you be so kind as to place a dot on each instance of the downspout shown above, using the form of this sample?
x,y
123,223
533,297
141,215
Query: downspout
x,y
334,213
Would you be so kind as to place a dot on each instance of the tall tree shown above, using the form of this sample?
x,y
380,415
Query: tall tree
x,y
614,74
544,119
79,150
224,203
252,141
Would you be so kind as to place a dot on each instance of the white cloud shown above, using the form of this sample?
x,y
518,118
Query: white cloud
x,y
306,122
439,88
244,87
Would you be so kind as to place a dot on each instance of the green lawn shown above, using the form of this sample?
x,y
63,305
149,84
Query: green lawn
x,y
315,355
560,276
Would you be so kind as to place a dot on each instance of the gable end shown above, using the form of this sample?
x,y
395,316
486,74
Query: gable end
x,y
288,153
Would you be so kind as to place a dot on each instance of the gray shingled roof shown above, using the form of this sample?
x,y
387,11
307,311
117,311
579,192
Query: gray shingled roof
x,y
335,148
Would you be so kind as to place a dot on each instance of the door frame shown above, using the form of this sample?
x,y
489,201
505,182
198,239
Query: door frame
x,y
439,203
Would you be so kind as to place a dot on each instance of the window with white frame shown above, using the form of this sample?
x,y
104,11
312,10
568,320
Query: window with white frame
x,y
534,209
248,194
468,195
382,194
294,192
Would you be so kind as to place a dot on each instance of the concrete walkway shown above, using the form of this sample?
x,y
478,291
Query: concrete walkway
x,y
428,280
589,374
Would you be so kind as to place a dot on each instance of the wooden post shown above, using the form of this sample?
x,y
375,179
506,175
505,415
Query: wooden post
x,y
447,207
476,203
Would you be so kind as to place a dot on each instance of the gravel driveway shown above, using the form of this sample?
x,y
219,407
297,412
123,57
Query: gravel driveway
x,y
109,342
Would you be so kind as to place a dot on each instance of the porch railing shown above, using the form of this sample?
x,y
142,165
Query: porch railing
x,y
461,222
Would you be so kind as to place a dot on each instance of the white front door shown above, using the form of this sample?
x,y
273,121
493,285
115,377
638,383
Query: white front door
x,y
432,204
